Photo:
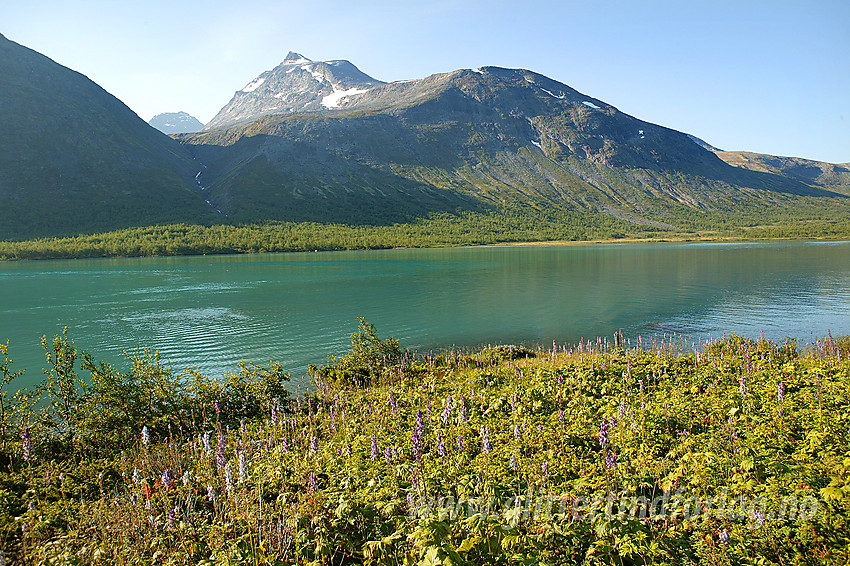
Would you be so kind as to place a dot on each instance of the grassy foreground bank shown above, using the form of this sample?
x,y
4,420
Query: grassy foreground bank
x,y
733,452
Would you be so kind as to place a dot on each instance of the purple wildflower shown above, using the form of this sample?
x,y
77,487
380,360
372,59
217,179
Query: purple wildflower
x,y
220,459
447,410
314,445
561,418
348,450
513,461
545,468
462,409
723,537
780,396
374,454
743,385
388,455
274,413
228,477
312,481
393,404
243,468
211,494
416,440
485,439
603,433
414,478
441,446
26,444
460,443
166,479
517,433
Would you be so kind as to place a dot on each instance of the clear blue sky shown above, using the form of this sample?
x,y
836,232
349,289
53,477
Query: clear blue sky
x,y
771,77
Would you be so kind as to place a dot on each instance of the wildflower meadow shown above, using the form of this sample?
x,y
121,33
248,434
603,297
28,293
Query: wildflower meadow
x,y
654,451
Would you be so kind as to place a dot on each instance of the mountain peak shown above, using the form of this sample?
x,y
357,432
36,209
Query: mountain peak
x,y
293,57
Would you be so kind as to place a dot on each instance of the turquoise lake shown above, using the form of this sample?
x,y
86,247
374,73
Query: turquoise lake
x,y
209,312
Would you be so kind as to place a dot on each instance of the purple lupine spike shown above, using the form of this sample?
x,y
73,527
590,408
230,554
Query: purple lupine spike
x,y
441,446
517,433
414,478
395,453
314,445
348,450
485,439
460,443
561,418
393,404
26,444
217,408
333,420
603,433
228,478
611,461
560,380
274,413
243,468
621,410
447,409
462,409
780,396
388,455
743,385
545,468
513,461
219,451
723,537
312,481
166,479
374,454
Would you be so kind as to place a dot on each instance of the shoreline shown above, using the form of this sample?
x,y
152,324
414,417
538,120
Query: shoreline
x,y
705,237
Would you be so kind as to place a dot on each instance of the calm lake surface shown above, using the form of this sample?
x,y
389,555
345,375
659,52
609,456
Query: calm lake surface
x,y
210,312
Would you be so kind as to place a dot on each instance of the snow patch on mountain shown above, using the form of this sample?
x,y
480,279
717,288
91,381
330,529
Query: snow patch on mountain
x,y
590,105
332,100
552,94
253,85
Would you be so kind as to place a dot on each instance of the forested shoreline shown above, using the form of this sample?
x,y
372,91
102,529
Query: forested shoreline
x,y
436,231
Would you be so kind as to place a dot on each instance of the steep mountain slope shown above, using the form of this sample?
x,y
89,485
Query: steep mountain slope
x,y
483,139
176,123
75,159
